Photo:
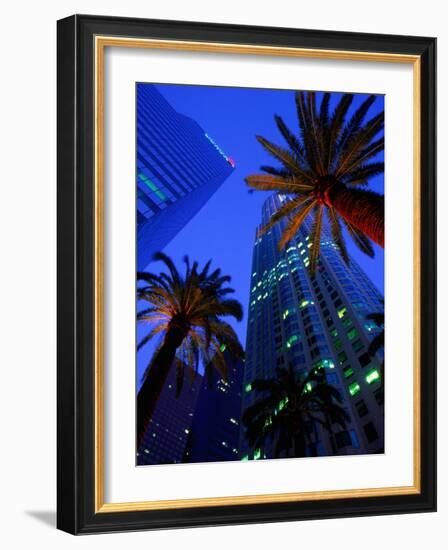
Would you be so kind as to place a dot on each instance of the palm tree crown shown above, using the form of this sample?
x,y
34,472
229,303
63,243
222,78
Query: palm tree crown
x,y
324,168
290,408
188,312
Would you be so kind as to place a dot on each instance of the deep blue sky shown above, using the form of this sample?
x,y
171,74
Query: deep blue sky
x,y
224,228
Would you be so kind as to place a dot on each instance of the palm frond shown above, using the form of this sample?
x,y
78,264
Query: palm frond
x,y
296,222
315,237
361,241
337,236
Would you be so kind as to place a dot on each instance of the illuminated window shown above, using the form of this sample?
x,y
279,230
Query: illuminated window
x,y
291,340
152,186
245,457
372,376
257,454
324,363
342,312
282,404
348,371
248,388
308,387
354,388
352,334
268,422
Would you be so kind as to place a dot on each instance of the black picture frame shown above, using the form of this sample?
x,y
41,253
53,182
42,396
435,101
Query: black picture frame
x,y
76,511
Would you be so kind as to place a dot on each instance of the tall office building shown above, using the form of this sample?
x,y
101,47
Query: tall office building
x,y
299,321
214,434
179,167
168,431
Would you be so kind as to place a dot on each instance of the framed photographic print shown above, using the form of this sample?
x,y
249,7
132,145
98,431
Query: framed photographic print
x,y
246,266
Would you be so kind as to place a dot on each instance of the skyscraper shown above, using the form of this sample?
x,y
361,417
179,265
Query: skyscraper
x,y
214,434
300,321
179,167
167,434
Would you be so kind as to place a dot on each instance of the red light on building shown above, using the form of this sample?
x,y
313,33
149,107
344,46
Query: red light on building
x,y
231,162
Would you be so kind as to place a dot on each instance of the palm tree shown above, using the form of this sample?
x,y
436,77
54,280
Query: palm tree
x,y
290,410
188,312
324,169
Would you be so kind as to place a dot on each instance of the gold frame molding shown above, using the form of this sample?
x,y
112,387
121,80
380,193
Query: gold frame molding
x,y
101,42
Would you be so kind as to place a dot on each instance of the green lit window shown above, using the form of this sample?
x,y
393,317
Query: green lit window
x,y
152,186
354,388
268,421
248,388
257,454
342,312
372,376
292,340
222,347
324,363
281,405
334,333
347,322
245,457
308,387
338,344
348,371
352,334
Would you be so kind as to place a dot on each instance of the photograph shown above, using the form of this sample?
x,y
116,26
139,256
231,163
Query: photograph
x,y
259,276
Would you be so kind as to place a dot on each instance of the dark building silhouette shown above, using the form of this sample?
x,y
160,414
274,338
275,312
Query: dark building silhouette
x,y
214,434
299,321
179,167
167,434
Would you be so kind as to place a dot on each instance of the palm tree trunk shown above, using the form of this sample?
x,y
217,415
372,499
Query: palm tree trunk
x,y
361,208
299,446
152,387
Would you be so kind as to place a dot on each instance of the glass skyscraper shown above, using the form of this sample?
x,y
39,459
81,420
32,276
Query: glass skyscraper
x,y
179,167
302,321
214,434
168,431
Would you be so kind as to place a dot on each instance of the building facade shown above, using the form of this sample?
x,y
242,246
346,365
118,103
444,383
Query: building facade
x,y
302,321
215,430
179,167
168,431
